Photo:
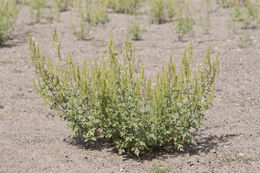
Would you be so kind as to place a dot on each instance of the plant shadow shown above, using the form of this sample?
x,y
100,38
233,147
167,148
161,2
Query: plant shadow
x,y
99,144
204,145
15,40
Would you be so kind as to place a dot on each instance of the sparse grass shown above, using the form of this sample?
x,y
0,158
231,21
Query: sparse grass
x,y
225,3
242,46
16,96
159,169
245,12
257,131
15,70
62,5
236,157
6,62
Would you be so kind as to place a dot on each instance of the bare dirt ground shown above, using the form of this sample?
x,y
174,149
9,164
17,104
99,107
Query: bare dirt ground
x,y
33,140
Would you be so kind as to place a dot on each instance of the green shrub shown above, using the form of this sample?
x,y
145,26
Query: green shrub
x,y
113,99
8,14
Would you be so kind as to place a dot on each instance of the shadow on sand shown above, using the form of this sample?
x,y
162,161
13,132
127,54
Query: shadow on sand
x,y
204,145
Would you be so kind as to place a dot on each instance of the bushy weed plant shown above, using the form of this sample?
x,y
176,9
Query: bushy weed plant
x,y
113,98
8,14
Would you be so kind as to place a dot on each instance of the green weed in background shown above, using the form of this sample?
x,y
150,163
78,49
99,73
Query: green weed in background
x,y
37,7
225,3
80,29
8,14
62,5
171,7
134,30
90,13
125,6
252,13
245,12
162,11
113,100
205,18
94,12
157,11
185,22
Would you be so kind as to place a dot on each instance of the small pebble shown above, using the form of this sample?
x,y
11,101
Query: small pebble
x,y
1,107
241,154
213,151
190,164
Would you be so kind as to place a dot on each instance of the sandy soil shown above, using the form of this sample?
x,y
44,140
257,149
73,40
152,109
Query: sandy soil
x,y
32,139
